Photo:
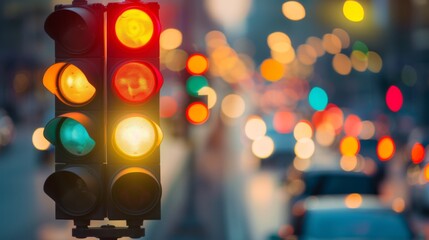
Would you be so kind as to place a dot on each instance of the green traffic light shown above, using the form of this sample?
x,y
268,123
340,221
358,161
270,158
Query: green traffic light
x,y
194,84
75,139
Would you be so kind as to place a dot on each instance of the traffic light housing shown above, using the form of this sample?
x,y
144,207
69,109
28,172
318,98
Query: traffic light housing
x,y
133,132
77,81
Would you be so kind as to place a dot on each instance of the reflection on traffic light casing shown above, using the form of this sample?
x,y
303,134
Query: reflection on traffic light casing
x,y
77,81
133,133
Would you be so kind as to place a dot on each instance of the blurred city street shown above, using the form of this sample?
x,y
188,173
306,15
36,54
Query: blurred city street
x,y
279,119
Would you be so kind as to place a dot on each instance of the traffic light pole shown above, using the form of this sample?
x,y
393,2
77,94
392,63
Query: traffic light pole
x,y
108,232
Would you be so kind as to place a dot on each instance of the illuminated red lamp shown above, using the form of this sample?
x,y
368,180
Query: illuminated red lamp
x,y
394,98
197,113
136,82
385,148
417,153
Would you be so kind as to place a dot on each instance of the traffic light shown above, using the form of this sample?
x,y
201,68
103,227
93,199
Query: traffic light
x,y
133,132
197,111
77,81
106,82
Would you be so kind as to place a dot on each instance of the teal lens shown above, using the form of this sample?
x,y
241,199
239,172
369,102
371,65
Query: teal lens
x,y
75,139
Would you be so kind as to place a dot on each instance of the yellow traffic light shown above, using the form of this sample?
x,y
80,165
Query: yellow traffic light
x,y
69,84
134,28
137,136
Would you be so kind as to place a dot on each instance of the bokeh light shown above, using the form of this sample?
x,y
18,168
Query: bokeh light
x,y
394,98
306,54
263,147
353,11
359,61
385,148
293,10
342,64
233,106
284,121
368,130
302,129
175,60
318,99
279,42
398,205
360,46
349,146
304,148
255,127
348,163
197,64
417,153
170,39
375,62
39,140
325,134
331,43
301,164
197,113
353,200
167,106
272,70
284,57
352,125
211,96
426,172
343,36
317,44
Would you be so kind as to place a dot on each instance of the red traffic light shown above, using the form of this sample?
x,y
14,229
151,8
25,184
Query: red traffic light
x,y
136,82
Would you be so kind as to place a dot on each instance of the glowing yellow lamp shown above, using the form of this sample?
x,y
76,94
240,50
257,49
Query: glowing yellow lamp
x,y
69,84
74,85
134,28
137,136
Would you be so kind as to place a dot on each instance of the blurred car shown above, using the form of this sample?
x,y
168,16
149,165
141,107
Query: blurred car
x,y
330,182
7,129
342,217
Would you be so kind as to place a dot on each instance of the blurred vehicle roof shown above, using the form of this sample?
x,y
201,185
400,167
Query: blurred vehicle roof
x,y
330,218
326,182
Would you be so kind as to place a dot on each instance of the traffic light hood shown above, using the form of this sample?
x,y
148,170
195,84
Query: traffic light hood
x,y
75,189
68,26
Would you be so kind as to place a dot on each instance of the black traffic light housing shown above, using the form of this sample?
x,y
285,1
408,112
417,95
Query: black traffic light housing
x,y
77,183
145,169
